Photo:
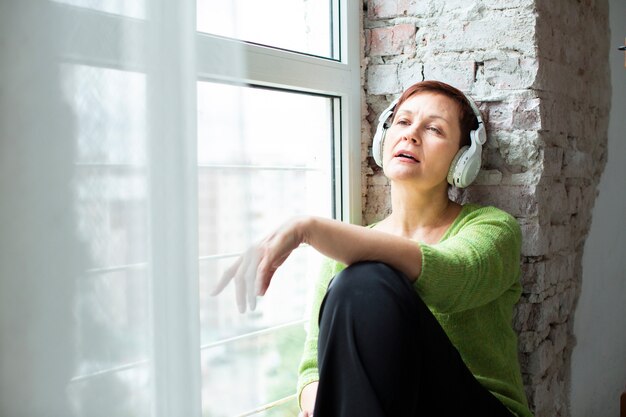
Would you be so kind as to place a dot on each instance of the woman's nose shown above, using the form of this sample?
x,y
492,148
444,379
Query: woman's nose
x,y
412,136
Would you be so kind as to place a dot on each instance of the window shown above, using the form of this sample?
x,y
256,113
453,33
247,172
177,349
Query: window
x,y
269,128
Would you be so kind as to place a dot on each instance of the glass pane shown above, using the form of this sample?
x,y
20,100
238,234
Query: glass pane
x,y
259,369
284,302
112,373
264,156
297,25
129,8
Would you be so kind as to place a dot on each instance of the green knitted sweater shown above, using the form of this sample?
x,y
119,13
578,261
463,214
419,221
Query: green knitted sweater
x,y
470,281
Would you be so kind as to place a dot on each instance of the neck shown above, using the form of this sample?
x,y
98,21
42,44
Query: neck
x,y
414,210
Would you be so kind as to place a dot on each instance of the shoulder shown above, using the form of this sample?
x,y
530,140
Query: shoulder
x,y
488,218
474,213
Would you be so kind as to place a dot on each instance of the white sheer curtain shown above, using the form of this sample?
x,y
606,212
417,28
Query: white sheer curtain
x,y
98,202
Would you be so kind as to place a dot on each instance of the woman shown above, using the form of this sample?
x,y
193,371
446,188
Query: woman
x,y
419,322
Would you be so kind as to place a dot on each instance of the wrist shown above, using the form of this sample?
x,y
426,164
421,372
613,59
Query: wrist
x,y
304,228
307,396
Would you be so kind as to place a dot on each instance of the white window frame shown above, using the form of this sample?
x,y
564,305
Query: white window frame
x,y
177,358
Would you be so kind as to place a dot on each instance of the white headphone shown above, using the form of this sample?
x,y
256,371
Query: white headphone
x,y
466,163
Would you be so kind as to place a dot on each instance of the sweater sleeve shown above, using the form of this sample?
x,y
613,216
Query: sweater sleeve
x,y
308,371
475,264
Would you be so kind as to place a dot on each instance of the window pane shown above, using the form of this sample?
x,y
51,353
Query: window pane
x,y
298,25
112,374
264,156
259,369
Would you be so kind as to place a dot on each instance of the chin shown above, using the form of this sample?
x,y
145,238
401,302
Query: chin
x,y
394,171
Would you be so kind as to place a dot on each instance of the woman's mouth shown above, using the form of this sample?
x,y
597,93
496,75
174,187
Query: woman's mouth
x,y
407,156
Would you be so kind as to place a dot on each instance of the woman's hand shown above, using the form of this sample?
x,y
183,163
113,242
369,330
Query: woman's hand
x,y
345,243
253,271
307,399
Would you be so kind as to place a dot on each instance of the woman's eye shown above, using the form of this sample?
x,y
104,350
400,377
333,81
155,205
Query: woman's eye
x,y
403,122
435,130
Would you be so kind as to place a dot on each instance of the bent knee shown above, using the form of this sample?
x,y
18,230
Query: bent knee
x,y
368,276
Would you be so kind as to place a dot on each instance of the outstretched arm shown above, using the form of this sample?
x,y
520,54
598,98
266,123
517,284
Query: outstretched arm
x,y
340,241
343,242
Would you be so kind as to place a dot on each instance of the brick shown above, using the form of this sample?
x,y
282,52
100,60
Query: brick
x,y
392,40
518,147
523,205
535,240
552,161
566,301
521,315
387,9
577,164
560,238
526,115
574,198
530,177
552,194
470,30
409,73
382,79
489,177
542,396
382,9
457,73
511,74
509,4
540,359
529,341
558,268
421,8
539,280
558,336
518,113
544,314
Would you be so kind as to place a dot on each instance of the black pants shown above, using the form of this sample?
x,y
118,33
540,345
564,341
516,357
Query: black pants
x,y
382,353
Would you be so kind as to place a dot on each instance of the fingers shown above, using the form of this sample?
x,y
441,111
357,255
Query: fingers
x,y
251,276
264,275
227,277
243,272
253,271
241,282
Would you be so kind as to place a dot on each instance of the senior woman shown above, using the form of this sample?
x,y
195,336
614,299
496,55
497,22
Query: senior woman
x,y
412,315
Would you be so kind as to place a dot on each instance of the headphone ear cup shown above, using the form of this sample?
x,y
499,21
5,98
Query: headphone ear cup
x,y
377,145
465,166
453,173
381,131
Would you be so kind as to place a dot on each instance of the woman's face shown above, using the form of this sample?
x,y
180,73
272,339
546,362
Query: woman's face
x,y
422,140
